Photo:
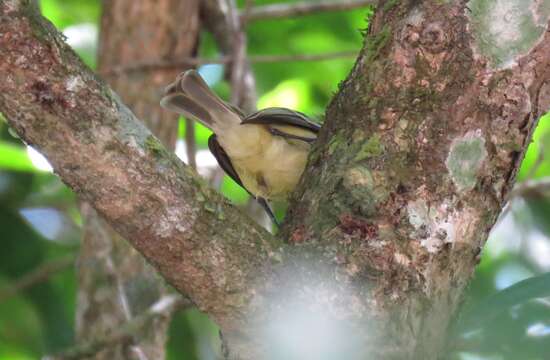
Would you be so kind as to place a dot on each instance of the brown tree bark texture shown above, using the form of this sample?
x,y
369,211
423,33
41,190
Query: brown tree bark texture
x,y
414,161
419,150
198,241
115,282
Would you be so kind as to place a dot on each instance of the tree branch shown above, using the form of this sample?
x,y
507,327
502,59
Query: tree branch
x,y
197,61
222,20
418,152
200,243
532,186
276,11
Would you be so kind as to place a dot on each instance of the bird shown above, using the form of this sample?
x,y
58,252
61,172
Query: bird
x,y
265,152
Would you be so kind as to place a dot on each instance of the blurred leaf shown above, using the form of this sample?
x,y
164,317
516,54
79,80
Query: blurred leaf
x,y
48,190
21,327
510,336
22,251
292,93
539,208
193,336
487,310
64,13
14,157
539,144
234,191
8,352
14,188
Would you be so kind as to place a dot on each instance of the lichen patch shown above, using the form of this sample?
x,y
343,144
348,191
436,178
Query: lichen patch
x,y
506,29
465,159
434,225
169,223
74,83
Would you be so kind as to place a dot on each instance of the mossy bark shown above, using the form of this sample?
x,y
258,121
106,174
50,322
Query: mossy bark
x,y
115,282
410,212
417,155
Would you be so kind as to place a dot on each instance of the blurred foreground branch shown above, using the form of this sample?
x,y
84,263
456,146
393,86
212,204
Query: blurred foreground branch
x,y
529,186
163,307
275,11
38,275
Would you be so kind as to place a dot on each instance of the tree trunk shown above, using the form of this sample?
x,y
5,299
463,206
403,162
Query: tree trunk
x,y
116,283
416,157
418,153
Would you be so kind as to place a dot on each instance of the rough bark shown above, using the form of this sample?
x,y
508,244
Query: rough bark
x,y
193,236
418,151
115,282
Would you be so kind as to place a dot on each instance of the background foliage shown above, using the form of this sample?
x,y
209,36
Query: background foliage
x,y
507,308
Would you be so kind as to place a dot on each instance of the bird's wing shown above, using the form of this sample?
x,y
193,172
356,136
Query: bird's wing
x,y
224,161
282,116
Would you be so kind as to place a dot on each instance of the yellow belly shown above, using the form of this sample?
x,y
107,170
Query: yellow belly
x,y
269,166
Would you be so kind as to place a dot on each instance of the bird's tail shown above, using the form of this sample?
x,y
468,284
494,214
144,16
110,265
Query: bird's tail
x,y
190,95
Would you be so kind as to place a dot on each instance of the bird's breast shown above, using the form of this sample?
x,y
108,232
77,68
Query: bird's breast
x,y
269,166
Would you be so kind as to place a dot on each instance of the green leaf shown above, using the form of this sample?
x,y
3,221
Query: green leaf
x,y
234,191
65,13
14,157
538,205
539,143
488,309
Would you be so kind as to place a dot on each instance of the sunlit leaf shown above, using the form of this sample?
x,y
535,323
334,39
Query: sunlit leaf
x,y
64,13
293,94
234,191
540,145
14,157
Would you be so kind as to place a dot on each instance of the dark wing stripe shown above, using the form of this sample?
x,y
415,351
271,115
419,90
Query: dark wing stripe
x,y
277,132
281,116
224,161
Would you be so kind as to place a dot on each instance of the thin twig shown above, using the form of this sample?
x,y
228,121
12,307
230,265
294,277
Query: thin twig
x,y
37,275
524,189
275,11
196,61
126,332
303,57
528,186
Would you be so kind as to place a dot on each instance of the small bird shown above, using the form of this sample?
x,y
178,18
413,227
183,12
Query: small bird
x,y
264,152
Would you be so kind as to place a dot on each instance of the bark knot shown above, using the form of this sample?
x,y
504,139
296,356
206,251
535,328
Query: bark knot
x,y
434,39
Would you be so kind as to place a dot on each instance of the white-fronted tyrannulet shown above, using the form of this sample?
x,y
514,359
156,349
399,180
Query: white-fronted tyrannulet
x,y
264,152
